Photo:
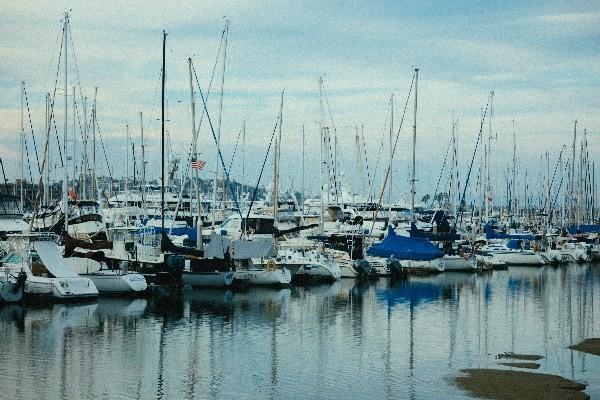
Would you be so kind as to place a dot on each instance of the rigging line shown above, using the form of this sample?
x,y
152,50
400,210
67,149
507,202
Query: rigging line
x,y
262,169
387,174
235,149
59,31
366,160
328,106
104,151
195,135
442,171
62,164
215,139
75,59
553,176
212,75
29,165
372,185
31,126
5,185
553,204
473,159
51,117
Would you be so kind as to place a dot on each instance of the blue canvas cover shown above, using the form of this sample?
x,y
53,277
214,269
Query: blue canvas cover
x,y
405,248
584,229
490,233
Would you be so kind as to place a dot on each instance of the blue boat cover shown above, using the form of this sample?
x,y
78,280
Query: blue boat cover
x,y
584,229
405,248
490,233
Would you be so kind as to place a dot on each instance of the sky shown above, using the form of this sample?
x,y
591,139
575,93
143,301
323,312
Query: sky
x,y
541,59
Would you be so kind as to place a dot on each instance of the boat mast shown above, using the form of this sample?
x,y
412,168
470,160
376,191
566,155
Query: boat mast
x,y
276,169
46,155
94,182
74,141
323,149
214,204
84,178
391,157
572,191
243,197
126,158
514,171
64,185
22,145
143,185
162,138
195,172
302,191
413,179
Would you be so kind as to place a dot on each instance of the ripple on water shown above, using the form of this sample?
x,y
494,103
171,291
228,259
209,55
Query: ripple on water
x,y
346,340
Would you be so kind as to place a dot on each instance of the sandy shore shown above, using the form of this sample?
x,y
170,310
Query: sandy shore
x,y
591,346
514,385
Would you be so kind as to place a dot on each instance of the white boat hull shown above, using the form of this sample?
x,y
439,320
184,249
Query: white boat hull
x,y
208,279
60,289
459,264
263,277
433,266
113,281
519,258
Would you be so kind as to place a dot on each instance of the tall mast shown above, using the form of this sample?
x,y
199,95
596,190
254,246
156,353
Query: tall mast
x,y
162,137
94,182
514,171
302,191
74,141
243,161
143,185
323,150
572,191
22,146
47,154
413,179
219,125
126,157
64,188
195,172
276,169
391,156
84,178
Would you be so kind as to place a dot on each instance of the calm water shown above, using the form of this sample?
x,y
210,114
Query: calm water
x,y
346,340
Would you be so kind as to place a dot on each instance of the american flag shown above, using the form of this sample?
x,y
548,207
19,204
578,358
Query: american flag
x,y
198,164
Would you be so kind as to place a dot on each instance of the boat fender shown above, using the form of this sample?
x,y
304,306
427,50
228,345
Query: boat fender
x,y
271,265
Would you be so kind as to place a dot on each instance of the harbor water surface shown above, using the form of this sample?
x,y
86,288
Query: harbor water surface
x,y
349,340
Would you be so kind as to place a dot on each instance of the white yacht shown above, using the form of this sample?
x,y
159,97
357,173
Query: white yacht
x,y
48,276
109,281
512,252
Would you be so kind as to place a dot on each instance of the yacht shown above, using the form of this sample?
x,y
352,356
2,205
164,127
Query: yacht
x,y
48,275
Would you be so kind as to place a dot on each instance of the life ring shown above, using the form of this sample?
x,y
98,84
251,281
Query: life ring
x,y
271,265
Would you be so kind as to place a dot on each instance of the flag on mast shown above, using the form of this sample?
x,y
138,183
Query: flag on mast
x,y
198,164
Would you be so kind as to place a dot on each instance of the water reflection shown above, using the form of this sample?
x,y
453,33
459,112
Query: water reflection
x,y
385,339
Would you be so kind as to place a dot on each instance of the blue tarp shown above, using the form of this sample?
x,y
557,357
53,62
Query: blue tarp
x,y
405,248
449,236
584,229
490,233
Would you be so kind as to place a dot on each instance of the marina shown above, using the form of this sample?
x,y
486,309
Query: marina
x,y
214,243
